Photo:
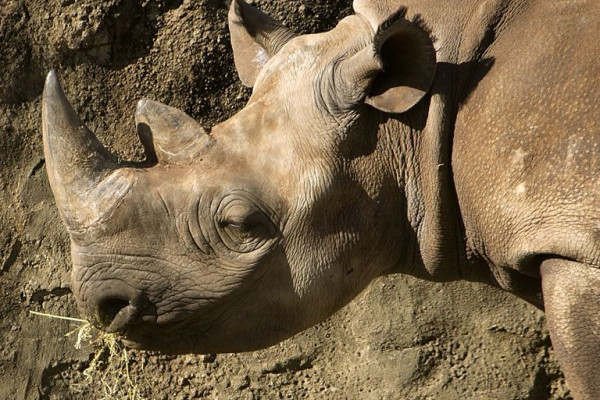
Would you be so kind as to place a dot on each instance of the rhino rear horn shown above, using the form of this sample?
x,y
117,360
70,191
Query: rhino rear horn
x,y
169,135
255,38
86,180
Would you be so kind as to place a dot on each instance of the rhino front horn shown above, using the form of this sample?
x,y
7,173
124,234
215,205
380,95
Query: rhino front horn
x,y
85,179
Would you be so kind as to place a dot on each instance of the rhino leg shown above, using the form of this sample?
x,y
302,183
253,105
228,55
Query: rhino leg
x,y
572,300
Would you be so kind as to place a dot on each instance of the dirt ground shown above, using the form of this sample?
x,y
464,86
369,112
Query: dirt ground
x,y
401,339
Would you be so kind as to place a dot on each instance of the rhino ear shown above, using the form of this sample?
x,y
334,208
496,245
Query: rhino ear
x,y
168,135
255,38
397,71
408,56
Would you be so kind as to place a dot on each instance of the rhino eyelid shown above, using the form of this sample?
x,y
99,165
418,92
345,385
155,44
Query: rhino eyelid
x,y
245,223
232,224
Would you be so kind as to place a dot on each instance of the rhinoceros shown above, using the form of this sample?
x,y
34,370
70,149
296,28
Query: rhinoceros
x,y
445,140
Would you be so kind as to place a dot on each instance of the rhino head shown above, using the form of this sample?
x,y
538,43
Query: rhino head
x,y
237,239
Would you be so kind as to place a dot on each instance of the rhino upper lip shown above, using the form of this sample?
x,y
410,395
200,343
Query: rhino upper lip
x,y
128,316
123,319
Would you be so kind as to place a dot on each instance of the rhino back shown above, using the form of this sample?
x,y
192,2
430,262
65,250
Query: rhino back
x,y
526,156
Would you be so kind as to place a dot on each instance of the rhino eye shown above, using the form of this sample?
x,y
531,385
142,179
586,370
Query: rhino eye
x,y
243,227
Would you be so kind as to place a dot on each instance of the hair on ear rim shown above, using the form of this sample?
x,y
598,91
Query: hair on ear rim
x,y
391,20
418,20
384,27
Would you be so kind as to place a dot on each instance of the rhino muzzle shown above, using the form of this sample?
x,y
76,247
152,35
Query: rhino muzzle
x,y
88,184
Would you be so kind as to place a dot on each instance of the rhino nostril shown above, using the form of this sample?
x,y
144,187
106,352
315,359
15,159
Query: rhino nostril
x,y
109,309
115,306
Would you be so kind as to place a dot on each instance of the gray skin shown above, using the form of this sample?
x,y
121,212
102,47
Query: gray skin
x,y
363,151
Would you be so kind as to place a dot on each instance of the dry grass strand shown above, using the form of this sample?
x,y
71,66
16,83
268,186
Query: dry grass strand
x,y
110,364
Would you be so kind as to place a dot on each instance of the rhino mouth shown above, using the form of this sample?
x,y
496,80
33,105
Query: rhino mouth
x,y
173,339
116,307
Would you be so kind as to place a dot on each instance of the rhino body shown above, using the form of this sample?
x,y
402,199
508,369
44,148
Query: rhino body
x,y
446,140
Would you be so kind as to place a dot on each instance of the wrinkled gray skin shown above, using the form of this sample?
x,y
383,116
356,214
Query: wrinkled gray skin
x,y
363,151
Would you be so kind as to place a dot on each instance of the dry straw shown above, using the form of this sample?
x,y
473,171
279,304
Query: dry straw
x,y
110,365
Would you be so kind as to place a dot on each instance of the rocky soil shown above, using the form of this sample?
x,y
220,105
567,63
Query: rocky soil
x,y
401,339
